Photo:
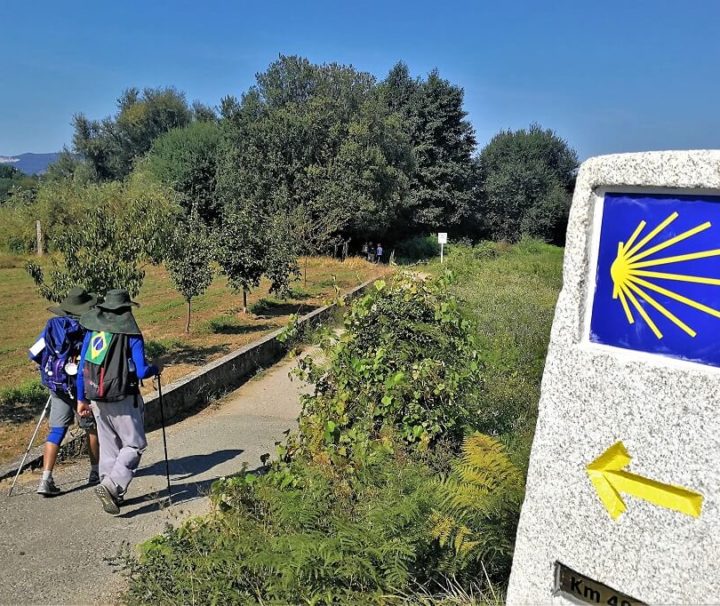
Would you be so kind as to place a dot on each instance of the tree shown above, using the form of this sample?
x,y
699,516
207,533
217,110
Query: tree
x,y
315,235
111,145
68,167
526,181
13,181
280,262
241,249
443,141
185,159
189,261
319,137
107,247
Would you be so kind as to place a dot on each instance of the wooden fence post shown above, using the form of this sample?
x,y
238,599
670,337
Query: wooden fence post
x,y
39,238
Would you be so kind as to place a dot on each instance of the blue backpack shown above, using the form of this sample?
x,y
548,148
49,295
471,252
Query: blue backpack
x,y
63,342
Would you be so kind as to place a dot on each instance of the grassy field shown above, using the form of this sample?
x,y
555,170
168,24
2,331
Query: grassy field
x,y
218,326
510,291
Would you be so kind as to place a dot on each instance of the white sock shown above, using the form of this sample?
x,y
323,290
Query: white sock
x,y
47,474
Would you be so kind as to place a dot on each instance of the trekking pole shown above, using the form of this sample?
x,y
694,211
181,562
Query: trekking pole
x,y
162,422
37,428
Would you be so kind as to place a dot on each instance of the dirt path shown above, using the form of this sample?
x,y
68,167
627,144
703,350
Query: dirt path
x,y
54,551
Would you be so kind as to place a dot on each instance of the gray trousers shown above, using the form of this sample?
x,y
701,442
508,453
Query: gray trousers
x,y
121,432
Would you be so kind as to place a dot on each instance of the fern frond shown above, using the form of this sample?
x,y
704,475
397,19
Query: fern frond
x,y
481,488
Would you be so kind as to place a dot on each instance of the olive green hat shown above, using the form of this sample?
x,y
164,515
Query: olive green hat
x,y
76,303
113,315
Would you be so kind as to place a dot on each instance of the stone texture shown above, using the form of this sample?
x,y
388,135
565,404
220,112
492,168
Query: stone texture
x,y
666,413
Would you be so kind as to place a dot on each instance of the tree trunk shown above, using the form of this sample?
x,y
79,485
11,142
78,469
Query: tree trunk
x,y
306,264
245,310
187,324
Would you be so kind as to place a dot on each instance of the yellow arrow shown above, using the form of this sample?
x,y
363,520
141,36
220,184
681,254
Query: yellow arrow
x,y
609,480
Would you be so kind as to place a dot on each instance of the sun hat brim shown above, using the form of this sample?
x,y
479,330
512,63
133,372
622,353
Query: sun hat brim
x,y
66,309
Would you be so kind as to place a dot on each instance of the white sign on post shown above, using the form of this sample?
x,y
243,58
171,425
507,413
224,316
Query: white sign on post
x,y
622,499
442,240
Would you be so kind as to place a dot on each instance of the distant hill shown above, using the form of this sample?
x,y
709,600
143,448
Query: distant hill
x,y
31,164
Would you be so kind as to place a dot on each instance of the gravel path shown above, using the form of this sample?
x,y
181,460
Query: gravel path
x,y
55,551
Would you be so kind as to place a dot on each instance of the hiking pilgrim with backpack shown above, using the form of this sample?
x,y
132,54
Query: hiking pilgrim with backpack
x,y
92,358
57,351
112,362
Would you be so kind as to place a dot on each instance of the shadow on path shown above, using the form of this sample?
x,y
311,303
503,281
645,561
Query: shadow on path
x,y
190,465
181,493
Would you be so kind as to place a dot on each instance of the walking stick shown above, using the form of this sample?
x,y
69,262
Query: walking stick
x,y
162,422
42,416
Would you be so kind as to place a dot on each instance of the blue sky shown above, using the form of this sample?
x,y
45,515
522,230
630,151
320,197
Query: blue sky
x,y
608,76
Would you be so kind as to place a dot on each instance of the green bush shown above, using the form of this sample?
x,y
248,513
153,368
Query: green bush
x,y
406,366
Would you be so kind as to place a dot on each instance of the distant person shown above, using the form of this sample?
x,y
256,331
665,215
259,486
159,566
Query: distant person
x,y
371,253
57,351
364,249
379,253
112,362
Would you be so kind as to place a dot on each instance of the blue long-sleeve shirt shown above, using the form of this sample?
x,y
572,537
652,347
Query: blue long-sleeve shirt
x,y
137,349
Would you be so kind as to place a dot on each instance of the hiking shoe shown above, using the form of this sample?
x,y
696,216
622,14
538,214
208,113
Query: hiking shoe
x,y
47,488
94,477
108,501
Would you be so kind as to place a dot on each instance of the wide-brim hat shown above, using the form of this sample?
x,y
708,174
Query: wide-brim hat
x,y
77,302
113,315
117,299
116,322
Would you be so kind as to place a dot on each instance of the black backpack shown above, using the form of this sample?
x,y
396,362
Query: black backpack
x,y
107,371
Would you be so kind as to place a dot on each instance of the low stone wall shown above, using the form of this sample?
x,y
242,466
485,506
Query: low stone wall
x,y
193,391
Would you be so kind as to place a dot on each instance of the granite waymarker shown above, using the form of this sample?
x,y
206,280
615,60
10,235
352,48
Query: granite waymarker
x,y
622,492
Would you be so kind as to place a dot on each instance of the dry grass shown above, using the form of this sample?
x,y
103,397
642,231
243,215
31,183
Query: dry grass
x,y
218,323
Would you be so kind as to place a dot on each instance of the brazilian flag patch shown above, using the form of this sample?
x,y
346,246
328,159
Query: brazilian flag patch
x,y
99,345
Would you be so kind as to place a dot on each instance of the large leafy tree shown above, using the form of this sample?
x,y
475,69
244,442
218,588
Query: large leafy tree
x,y
186,160
526,182
111,145
442,141
315,136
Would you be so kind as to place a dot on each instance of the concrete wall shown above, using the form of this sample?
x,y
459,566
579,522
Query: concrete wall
x,y
193,391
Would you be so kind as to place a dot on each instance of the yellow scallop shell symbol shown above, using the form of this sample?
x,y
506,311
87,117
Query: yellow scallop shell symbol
x,y
631,278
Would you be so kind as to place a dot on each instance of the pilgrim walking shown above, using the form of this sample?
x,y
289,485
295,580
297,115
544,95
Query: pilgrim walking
x,y
57,351
112,362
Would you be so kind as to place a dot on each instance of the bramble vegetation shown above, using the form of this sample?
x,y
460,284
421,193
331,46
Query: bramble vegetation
x,y
361,507
406,365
